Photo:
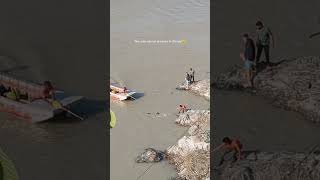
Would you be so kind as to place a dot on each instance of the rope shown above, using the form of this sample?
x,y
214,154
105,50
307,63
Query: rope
x,y
139,177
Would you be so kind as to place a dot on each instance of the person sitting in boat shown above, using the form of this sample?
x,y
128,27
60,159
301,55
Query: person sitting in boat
x,y
182,108
3,90
48,91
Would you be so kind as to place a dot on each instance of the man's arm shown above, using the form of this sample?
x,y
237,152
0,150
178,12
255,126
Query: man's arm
x,y
217,148
239,152
272,38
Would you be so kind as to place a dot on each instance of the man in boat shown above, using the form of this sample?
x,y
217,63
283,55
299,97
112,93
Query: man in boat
x,y
48,91
230,146
125,90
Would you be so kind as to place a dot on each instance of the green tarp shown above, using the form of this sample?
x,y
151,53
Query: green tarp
x,y
113,119
8,170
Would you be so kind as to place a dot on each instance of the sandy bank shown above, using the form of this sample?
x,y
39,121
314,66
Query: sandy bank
x,y
269,166
201,88
293,84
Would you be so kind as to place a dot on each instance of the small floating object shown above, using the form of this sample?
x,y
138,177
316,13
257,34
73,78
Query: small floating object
x,y
113,119
120,93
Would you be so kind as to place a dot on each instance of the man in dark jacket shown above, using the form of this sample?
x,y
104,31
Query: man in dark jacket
x,y
264,36
248,58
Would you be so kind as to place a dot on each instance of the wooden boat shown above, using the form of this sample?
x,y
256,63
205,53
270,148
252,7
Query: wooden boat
x,y
33,109
117,92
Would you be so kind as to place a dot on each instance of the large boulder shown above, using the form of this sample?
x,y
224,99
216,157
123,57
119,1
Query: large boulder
x,y
201,88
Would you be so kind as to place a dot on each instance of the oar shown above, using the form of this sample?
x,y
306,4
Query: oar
x,y
132,97
57,104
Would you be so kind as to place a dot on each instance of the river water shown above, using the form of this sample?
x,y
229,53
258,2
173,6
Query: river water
x,y
154,70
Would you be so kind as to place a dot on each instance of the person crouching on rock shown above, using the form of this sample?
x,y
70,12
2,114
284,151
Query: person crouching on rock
x,y
230,146
248,57
182,108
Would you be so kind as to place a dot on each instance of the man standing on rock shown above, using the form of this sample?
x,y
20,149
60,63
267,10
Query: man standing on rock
x,y
191,75
188,79
264,35
248,57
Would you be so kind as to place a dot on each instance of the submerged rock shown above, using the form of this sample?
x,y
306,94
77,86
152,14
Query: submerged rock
x,y
293,84
270,166
201,88
150,155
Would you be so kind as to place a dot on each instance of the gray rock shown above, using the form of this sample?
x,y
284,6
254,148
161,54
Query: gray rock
x,y
201,88
150,155
269,166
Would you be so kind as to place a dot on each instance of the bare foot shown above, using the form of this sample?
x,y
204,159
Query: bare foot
x,y
245,85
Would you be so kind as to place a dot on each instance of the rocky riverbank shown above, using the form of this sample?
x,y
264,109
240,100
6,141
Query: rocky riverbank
x,y
191,155
270,166
293,84
201,88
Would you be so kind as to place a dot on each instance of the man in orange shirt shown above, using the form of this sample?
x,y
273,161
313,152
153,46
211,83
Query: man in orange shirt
x,y
48,91
230,145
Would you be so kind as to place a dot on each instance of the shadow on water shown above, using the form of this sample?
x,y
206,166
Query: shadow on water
x,y
138,95
86,108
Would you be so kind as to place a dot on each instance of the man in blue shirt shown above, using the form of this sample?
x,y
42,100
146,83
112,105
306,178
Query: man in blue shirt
x,y
248,57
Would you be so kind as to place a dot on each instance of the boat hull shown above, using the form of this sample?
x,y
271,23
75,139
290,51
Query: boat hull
x,y
120,95
29,112
36,111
